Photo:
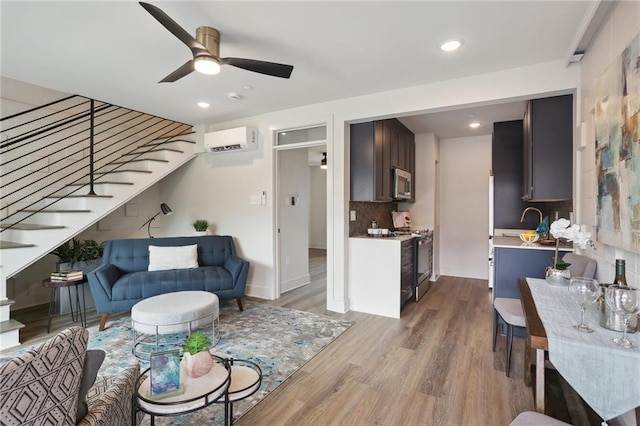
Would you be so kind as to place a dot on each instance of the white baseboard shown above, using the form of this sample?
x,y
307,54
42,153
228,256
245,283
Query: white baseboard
x,y
296,282
259,291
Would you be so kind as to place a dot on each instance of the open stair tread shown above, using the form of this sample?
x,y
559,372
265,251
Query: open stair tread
x,y
10,325
29,226
122,171
12,245
57,211
108,182
166,142
157,160
145,151
80,196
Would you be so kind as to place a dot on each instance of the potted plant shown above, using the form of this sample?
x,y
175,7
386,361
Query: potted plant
x,y
201,226
79,255
196,358
558,273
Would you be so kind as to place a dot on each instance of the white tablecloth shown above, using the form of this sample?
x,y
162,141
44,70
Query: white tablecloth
x,y
604,374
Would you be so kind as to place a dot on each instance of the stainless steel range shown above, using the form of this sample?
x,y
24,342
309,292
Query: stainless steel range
x,y
424,262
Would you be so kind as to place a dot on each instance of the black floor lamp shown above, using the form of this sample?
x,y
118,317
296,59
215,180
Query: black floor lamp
x,y
164,209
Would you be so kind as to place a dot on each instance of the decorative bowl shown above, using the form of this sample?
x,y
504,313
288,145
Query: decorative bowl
x,y
529,237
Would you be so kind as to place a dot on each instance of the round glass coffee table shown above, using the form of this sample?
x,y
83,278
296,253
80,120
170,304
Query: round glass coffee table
x,y
198,392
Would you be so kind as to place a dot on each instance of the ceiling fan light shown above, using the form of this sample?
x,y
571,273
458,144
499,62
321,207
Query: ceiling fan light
x,y
206,65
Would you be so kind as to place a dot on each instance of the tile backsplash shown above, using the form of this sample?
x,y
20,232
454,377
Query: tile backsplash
x,y
366,212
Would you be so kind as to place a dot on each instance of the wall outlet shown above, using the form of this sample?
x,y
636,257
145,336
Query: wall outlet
x,y
287,260
352,215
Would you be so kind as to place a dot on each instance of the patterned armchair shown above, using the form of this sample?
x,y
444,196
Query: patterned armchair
x,y
44,386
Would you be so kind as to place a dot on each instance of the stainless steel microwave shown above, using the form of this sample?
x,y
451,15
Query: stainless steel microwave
x,y
401,184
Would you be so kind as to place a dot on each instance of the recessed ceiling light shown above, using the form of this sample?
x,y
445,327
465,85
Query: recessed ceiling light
x,y
247,87
474,124
203,104
450,45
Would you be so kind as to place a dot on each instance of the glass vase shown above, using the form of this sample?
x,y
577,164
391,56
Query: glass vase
x,y
557,276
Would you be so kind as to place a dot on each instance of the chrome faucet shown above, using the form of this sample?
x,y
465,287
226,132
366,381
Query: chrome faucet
x,y
524,212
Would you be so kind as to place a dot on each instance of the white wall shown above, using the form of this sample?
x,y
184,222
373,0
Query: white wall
x,y
464,206
317,207
219,187
251,173
620,27
293,221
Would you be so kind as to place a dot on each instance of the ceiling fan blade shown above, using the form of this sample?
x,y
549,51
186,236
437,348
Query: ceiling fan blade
x,y
175,29
262,67
185,69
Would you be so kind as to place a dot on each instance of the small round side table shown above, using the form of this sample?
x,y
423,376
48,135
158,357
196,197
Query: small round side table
x,y
54,285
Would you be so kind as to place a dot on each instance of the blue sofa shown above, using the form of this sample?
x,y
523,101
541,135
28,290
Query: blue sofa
x,y
123,278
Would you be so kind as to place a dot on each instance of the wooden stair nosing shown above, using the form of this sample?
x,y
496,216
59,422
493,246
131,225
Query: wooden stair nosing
x,y
12,245
10,325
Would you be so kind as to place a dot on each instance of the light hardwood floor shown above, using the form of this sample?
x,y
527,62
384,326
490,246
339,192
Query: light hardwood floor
x,y
434,366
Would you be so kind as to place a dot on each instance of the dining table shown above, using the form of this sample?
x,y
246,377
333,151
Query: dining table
x,y
605,375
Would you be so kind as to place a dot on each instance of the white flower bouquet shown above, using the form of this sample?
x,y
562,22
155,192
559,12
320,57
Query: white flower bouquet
x,y
562,228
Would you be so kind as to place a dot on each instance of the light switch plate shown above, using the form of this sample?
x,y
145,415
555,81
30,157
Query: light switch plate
x,y
352,215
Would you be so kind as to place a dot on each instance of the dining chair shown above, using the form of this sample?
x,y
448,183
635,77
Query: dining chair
x,y
581,266
533,418
510,310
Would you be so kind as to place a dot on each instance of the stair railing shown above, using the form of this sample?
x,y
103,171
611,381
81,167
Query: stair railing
x,y
67,142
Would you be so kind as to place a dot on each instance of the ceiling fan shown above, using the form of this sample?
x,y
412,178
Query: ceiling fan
x,y
205,48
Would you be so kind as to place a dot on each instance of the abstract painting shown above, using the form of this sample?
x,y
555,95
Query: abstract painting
x,y
617,121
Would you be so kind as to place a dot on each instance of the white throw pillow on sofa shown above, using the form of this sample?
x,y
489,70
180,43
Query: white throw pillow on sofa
x,y
164,258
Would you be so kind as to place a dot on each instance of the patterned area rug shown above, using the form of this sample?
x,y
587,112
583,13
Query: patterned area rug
x,y
279,340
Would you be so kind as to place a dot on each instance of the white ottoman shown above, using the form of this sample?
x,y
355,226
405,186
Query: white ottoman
x,y
182,311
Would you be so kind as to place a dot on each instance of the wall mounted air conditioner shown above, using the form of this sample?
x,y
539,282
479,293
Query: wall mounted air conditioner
x,y
238,139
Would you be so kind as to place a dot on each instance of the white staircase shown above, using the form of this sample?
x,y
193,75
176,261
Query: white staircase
x,y
31,233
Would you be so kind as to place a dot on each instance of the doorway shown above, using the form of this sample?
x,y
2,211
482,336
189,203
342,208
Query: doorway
x,y
301,207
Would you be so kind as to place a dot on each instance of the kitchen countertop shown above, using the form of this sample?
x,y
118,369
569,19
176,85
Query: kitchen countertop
x,y
516,242
398,238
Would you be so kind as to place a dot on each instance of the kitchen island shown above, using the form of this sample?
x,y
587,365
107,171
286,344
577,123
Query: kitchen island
x,y
376,273
514,258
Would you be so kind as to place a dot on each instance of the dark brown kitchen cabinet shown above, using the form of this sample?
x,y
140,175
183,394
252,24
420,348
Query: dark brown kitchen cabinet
x,y
407,270
377,147
548,149
408,151
506,163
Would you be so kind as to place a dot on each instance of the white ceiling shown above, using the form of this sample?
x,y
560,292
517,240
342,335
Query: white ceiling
x,y
116,52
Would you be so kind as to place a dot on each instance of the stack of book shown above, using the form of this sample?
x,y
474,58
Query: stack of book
x,y
63,276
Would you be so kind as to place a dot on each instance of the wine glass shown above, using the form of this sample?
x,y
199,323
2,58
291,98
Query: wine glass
x,y
585,291
624,301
